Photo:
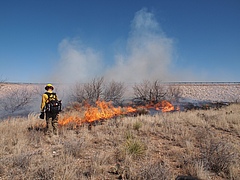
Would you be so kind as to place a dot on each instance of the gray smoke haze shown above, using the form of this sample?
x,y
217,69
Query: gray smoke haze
x,y
148,55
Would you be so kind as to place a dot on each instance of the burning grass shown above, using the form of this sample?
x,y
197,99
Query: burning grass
x,y
105,110
200,143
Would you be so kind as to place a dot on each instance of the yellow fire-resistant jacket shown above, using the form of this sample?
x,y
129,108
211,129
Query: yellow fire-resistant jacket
x,y
45,100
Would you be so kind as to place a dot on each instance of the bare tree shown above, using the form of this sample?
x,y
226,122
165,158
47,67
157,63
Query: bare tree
x,y
158,91
174,93
16,99
142,91
90,92
94,89
149,91
114,91
98,90
78,93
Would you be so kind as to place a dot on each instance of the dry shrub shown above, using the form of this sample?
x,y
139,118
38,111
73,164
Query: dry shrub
x,y
155,171
35,138
89,92
21,161
202,136
149,91
214,155
15,166
16,99
44,172
144,147
193,166
187,163
218,156
200,171
206,152
114,91
74,148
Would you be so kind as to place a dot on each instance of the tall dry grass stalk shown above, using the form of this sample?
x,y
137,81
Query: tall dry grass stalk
x,y
201,143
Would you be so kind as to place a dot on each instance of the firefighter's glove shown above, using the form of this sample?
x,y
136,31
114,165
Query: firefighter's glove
x,y
41,115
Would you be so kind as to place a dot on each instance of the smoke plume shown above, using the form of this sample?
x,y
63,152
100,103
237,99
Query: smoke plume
x,y
148,52
147,55
77,62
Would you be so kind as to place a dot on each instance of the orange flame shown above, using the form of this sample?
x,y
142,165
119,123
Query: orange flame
x,y
69,119
165,106
105,110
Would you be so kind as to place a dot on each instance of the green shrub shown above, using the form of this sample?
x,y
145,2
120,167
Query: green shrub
x,y
135,148
137,125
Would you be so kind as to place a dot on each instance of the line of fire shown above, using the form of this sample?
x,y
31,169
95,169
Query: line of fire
x,y
102,111
105,110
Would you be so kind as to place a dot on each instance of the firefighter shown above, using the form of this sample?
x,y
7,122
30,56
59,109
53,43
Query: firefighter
x,y
51,116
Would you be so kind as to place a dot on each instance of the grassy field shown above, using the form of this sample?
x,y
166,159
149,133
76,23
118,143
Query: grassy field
x,y
201,143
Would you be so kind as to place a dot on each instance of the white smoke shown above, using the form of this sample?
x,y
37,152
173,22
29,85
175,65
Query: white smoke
x,y
77,62
147,55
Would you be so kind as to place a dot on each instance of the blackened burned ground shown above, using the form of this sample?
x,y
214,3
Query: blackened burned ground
x,y
204,105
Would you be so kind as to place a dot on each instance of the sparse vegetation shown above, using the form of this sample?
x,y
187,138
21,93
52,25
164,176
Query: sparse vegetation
x,y
155,171
200,143
97,89
16,99
137,125
114,91
135,148
90,92
174,93
149,91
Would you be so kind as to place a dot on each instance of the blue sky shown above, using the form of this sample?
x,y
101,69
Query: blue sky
x,y
76,40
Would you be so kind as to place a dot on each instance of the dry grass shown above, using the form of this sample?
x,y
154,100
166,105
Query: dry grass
x,y
203,144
